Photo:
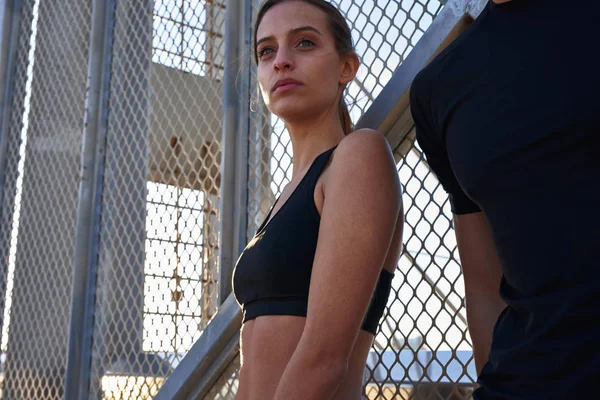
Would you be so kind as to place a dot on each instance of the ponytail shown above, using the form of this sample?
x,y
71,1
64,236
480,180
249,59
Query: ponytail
x,y
345,117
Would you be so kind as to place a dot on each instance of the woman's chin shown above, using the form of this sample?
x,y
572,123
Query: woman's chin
x,y
289,111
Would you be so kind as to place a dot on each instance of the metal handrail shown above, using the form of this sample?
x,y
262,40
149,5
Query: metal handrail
x,y
199,369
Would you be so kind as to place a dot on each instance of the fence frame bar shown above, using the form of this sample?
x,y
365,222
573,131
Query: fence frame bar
x,y
10,13
206,355
87,229
10,24
243,147
234,149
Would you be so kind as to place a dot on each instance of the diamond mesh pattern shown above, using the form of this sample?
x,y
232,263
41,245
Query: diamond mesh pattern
x,y
13,169
226,387
158,262
10,207
423,348
48,189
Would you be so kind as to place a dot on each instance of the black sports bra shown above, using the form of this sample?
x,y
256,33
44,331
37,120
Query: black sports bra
x,y
272,275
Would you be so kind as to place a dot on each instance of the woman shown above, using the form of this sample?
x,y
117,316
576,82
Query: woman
x,y
315,279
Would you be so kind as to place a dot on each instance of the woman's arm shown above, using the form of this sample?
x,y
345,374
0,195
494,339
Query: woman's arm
x,y
359,215
482,273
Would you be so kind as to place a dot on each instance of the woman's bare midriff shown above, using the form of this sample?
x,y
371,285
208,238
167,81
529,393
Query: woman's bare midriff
x,y
268,343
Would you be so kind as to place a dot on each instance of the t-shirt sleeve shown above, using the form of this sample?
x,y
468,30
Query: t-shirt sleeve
x,y
434,149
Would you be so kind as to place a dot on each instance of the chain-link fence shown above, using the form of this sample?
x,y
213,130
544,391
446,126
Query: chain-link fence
x,y
158,236
155,246
423,349
40,195
164,147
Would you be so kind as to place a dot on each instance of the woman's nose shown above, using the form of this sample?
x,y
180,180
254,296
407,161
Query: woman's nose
x,y
283,61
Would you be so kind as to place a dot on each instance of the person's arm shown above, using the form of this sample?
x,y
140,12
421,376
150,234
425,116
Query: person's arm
x,y
482,273
359,215
481,266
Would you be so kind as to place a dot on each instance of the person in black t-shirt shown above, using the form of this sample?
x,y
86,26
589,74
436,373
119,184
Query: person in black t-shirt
x,y
508,117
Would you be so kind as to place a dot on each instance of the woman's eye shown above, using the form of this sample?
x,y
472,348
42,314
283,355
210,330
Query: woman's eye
x,y
306,43
265,51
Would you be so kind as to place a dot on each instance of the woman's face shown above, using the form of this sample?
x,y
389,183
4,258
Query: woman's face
x,y
299,70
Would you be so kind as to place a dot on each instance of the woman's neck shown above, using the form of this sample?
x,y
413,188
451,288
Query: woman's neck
x,y
309,139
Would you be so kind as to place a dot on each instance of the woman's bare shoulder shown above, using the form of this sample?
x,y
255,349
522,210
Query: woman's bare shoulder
x,y
364,155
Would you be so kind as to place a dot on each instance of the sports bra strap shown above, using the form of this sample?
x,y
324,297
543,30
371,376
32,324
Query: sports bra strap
x,y
315,171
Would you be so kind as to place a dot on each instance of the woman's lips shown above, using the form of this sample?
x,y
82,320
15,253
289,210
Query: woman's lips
x,y
285,85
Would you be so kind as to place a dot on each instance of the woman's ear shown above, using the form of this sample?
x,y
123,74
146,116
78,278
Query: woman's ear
x,y
350,66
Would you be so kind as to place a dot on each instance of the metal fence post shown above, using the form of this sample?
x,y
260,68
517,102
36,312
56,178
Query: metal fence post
x,y
90,187
235,144
9,32
242,146
10,12
118,330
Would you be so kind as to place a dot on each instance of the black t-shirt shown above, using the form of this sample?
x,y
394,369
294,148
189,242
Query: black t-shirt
x,y
508,117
